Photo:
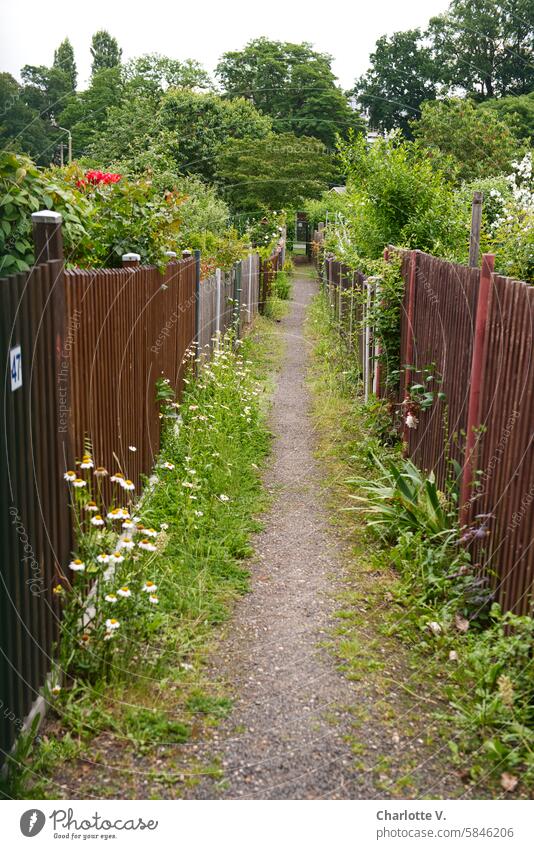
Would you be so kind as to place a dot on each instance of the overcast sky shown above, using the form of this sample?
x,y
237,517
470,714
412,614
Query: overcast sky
x,y
203,30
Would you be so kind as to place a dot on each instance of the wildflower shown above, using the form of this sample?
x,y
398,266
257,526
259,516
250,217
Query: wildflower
x,y
56,690
84,639
77,565
117,477
126,542
79,483
435,627
132,448
109,635
411,421
149,587
70,476
101,472
87,462
193,406
199,513
103,558
150,532
128,485
146,545
91,507
164,526
116,557
153,599
167,465
128,525
112,624
58,590
124,592
97,521
124,513
188,484
111,597
223,497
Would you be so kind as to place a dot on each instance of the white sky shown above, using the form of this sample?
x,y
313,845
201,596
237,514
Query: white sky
x,y
203,30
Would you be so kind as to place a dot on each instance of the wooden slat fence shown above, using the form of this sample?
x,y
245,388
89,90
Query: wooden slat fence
x,y
90,346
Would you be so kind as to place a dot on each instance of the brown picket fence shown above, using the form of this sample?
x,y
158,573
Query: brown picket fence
x,y
83,351
471,332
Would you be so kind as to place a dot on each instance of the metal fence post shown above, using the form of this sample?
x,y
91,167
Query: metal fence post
x,y
409,347
131,260
237,299
218,304
197,308
476,380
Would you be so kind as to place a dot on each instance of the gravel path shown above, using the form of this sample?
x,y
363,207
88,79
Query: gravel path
x,y
289,695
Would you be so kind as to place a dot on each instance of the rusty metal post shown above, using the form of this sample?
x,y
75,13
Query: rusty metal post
x,y
475,383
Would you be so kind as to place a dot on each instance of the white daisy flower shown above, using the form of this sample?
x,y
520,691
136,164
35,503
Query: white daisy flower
x,y
149,587
167,465
111,597
150,532
103,558
128,525
153,599
128,485
118,477
146,545
77,565
87,462
56,690
126,542
79,483
91,507
109,635
124,592
116,557
70,476
199,513
101,472
116,513
97,521
223,497
112,624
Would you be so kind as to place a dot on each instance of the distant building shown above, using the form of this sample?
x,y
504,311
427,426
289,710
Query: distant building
x,y
339,190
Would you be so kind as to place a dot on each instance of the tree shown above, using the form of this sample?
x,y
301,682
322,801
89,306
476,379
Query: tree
x,y
277,171
47,90
64,60
292,83
86,116
402,75
153,74
21,127
515,110
464,140
105,51
485,47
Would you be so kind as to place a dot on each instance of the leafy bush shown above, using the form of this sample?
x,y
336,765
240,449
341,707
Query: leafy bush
x,y
282,286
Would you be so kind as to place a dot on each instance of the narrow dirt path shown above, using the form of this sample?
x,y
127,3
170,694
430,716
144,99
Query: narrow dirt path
x,y
290,726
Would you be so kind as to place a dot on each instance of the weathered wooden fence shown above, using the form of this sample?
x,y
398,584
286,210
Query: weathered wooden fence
x,y
82,352
471,331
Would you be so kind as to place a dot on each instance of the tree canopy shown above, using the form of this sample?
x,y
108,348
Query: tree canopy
x,y
292,83
105,51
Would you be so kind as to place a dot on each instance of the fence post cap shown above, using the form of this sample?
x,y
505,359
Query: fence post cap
x,y
170,254
131,257
186,253
47,216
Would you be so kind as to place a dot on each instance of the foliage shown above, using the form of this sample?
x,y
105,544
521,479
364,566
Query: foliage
x,y
105,51
293,84
25,189
464,140
278,170
326,207
64,59
485,47
21,128
396,196
402,76
515,110
87,113
282,286
152,74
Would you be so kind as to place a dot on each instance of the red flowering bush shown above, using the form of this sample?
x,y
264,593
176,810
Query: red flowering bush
x,y
96,178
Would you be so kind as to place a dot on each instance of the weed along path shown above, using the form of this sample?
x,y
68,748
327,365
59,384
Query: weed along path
x,y
282,739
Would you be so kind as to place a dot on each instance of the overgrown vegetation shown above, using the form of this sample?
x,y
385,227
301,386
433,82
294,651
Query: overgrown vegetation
x,y
433,598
